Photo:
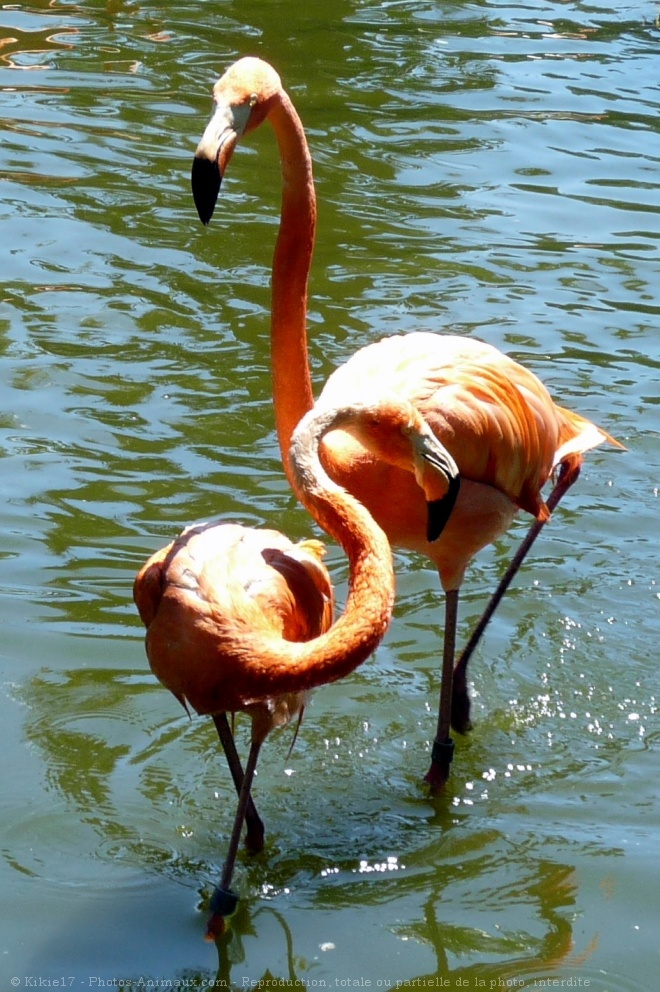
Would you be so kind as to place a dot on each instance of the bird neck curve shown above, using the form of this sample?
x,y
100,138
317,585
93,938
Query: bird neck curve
x,y
370,599
275,666
292,384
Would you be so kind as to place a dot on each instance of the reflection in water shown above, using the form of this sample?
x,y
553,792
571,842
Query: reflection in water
x,y
26,49
37,38
76,720
96,729
549,897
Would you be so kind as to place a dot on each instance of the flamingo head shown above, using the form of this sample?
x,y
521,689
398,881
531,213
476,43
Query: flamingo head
x,y
243,98
395,432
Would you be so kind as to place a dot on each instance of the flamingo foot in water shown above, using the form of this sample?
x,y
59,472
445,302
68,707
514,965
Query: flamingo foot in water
x,y
223,904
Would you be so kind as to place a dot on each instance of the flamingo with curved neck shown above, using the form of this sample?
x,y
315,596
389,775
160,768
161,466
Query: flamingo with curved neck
x,y
239,619
495,417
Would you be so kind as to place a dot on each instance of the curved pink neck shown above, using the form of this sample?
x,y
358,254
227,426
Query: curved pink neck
x,y
254,666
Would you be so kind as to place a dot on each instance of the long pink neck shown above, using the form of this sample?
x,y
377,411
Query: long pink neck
x,y
292,385
282,667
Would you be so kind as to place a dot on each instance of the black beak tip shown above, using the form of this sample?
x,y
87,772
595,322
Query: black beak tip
x,y
205,180
439,511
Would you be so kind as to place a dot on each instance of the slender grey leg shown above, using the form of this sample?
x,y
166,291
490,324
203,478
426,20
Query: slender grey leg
x,y
442,751
224,899
254,839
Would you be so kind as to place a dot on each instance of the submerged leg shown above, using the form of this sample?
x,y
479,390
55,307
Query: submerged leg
x,y
460,713
254,838
442,751
224,899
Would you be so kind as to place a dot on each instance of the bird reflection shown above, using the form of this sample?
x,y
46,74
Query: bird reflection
x,y
553,891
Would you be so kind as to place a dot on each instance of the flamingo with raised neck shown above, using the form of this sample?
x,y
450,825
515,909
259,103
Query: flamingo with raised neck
x,y
495,417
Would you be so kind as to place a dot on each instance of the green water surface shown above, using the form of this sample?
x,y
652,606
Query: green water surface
x,y
486,168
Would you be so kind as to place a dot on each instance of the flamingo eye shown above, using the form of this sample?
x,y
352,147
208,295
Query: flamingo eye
x,y
254,99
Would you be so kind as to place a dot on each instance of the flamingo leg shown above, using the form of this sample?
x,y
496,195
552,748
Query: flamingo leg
x,y
224,899
442,751
254,838
460,699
